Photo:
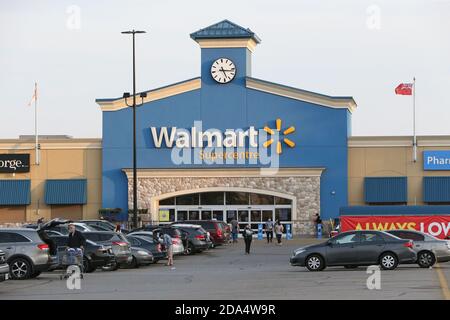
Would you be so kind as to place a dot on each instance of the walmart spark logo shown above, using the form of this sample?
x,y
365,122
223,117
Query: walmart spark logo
x,y
281,136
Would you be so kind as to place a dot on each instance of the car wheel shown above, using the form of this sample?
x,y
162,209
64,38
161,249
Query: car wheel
x,y
20,269
388,261
315,263
188,250
426,259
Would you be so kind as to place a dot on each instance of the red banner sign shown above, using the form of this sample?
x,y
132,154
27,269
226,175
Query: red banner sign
x,y
438,226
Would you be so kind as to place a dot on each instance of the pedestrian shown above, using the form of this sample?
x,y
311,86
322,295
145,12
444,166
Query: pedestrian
x,y
168,244
118,228
279,232
247,233
75,243
234,229
318,223
269,230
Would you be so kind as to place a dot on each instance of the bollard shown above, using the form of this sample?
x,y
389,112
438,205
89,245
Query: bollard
x,y
319,231
288,232
260,231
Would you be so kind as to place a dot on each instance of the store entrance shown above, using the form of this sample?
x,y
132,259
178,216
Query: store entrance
x,y
246,207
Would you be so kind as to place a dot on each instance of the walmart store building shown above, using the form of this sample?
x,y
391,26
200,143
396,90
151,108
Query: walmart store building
x,y
226,144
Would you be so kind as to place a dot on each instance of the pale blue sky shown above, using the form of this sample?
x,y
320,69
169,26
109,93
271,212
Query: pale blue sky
x,y
358,48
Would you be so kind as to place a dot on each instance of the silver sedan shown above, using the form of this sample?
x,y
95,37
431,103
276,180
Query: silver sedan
x,y
429,249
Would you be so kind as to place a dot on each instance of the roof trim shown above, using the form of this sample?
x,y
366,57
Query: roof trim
x,y
224,29
398,141
115,104
303,95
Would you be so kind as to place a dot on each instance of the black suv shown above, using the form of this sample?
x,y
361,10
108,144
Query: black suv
x,y
195,238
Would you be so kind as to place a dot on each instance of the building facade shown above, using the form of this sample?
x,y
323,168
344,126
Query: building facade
x,y
224,145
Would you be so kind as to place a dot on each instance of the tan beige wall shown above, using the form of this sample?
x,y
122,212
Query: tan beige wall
x,y
384,157
74,158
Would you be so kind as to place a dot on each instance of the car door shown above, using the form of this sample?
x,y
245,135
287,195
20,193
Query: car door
x,y
341,250
370,247
6,244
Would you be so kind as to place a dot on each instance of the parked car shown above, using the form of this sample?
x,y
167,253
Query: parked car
x,y
148,243
140,257
356,248
428,248
4,267
177,241
215,228
195,237
26,253
94,255
63,228
118,243
102,225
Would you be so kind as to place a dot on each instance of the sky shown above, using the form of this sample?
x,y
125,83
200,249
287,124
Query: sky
x,y
76,53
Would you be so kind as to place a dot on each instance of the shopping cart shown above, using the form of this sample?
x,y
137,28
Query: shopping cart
x,y
69,260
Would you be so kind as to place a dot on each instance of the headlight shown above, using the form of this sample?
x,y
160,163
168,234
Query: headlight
x,y
296,252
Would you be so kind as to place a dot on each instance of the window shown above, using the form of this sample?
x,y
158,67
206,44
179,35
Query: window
x,y
167,201
231,215
283,214
256,215
206,215
182,215
211,198
345,239
7,237
194,215
267,214
279,200
134,241
410,236
371,237
60,241
237,198
188,200
243,215
218,215
92,236
261,199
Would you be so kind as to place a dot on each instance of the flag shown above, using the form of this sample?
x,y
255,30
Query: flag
x,y
34,97
404,89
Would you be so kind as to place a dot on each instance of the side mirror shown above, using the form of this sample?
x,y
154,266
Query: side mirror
x,y
329,243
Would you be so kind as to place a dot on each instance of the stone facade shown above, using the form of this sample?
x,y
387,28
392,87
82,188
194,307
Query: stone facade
x,y
305,190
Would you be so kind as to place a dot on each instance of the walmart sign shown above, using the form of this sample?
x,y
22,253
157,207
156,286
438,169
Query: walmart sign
x,y
436,160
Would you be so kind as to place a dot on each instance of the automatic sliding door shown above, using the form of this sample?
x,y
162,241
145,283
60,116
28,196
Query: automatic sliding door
x,y
255,219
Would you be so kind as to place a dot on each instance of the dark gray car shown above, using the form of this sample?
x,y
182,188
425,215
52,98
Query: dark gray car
x,y
428,248
356,248
4,267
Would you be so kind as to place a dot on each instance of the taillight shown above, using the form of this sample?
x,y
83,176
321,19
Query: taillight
x,y
219,233
409,244
43,246
200,237
176,236
120,243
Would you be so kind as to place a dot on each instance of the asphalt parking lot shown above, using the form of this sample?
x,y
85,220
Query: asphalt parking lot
x,y
226,273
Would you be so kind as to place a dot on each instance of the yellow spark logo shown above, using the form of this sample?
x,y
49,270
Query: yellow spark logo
x,y
287,141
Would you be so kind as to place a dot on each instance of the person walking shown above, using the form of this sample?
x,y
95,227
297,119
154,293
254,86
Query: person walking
x,y
269,230
279,232
168,243
75,243
247,233
234,229
318,223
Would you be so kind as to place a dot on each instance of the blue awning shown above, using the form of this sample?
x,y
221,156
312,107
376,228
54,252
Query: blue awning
x,y
72,191
436,189
15,192
385,190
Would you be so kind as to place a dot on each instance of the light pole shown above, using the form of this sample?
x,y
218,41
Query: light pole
x,y
125,96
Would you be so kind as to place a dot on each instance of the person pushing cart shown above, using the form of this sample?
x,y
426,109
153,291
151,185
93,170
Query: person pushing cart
x,y
73,253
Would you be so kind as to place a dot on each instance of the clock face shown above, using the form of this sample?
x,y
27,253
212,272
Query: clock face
x,y
223,70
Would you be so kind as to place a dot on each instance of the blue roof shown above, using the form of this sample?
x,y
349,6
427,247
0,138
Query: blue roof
x,y
72,191
15,192
224,30
393,210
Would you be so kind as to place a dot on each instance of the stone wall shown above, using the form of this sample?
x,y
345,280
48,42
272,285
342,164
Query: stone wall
x,y
306,191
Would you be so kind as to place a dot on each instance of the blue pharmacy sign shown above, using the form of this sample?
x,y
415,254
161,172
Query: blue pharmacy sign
x,y
436,160
260,231
288,232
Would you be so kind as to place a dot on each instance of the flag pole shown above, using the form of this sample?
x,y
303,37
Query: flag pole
x,y
36,136
414,121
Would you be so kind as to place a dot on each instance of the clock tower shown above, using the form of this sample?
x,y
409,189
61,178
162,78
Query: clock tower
x,y
226,50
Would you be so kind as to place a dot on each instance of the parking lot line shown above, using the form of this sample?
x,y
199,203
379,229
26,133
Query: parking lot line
x,y
443,282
